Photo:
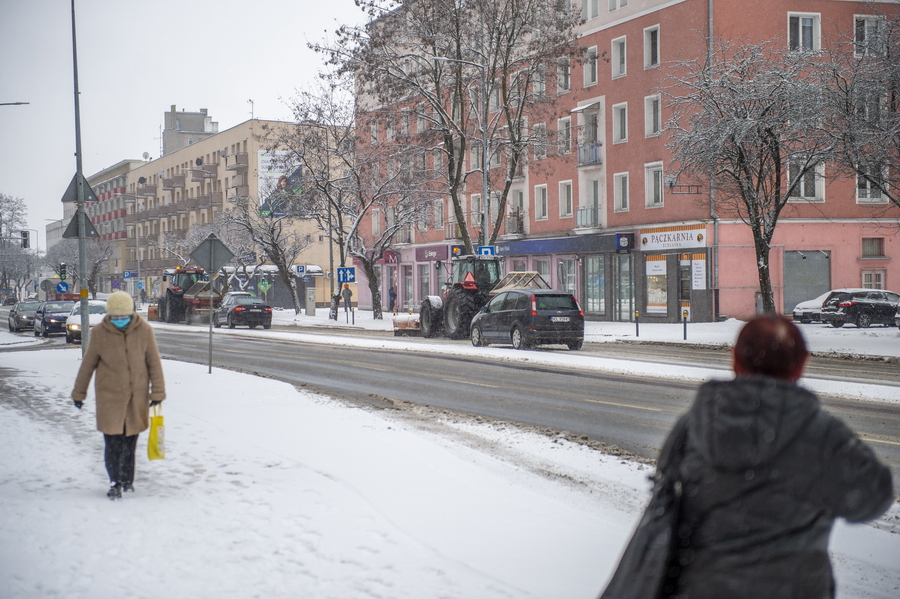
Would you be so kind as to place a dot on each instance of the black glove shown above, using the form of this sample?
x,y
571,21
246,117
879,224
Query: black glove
x,y
78,404
154,403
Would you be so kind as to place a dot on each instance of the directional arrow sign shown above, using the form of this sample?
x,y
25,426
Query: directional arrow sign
x,y
347,274
62,287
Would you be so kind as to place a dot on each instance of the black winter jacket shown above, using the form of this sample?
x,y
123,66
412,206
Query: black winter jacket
x,y
765,473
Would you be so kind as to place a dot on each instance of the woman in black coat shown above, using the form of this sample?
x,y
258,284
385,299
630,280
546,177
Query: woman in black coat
x,y
764,474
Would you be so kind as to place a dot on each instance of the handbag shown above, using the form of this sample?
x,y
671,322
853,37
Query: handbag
x,y
156,443
644,571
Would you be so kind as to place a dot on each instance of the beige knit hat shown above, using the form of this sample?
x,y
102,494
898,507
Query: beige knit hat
x,y
119,303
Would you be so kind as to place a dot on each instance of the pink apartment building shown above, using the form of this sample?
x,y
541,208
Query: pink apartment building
x,y
600,214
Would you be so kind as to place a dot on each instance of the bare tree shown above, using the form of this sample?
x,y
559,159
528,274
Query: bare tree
x,y
747,118
344,181
274,233
12,221
861,78
65,252
473,71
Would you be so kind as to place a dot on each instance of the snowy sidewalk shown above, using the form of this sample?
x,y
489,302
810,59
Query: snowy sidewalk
x,y
271,492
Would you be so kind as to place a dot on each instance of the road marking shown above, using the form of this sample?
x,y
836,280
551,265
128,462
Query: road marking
x,y
471,383
874,440
624,405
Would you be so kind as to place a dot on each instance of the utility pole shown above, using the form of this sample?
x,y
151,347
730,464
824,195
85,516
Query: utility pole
x,y
79,194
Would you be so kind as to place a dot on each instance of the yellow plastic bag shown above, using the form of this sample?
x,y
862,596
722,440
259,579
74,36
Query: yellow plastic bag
x,y
156,444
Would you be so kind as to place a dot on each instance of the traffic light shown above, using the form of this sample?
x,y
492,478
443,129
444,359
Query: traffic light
x,y
25,240
62,271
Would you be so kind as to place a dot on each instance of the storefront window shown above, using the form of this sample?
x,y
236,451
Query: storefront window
x,y
595,285
407,287
566,275
657,290
543,268
424,280
519,265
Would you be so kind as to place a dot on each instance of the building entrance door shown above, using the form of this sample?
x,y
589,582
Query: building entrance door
x,y
623,290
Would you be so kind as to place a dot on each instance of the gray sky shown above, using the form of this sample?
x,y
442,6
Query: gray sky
x,y
136,59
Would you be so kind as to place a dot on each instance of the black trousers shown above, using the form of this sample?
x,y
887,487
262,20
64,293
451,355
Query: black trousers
x,y
120,457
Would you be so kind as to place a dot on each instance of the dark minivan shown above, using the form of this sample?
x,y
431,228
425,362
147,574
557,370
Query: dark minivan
x,y
529,317
863,307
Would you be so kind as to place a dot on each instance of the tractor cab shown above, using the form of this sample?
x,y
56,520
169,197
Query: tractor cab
x,y
476,272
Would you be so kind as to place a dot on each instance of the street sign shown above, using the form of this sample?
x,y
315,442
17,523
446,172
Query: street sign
x,y
486,250
140,284
46,285
306,279
347,274
300,268
72,230
264,286
212,254
126,274
115,284
62,287
71,194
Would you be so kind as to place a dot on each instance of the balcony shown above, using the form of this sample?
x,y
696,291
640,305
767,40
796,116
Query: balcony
x,y
514,224
239,162
146,190
174,182
239,191
207,171
589,153
587,217
206,199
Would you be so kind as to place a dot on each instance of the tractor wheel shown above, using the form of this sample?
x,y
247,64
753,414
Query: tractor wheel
x,y
458,313
430,320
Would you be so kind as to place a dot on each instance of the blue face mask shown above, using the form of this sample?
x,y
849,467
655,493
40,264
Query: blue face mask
x,y
120,322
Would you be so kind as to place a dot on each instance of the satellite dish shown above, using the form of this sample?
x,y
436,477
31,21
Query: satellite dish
x,y
146,155
198,162
142,180
160,174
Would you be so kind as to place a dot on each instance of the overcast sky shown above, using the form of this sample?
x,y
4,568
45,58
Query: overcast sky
x,y
136,59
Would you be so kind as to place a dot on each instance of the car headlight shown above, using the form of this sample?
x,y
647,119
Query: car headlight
x,y
74,327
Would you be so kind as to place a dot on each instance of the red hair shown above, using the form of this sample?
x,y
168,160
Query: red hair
x,y
771,346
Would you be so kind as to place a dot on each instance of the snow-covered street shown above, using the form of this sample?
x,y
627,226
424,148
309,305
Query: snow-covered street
x,y
270,491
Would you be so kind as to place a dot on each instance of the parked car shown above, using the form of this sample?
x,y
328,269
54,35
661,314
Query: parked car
x,y
10,301
897,317
50,317
96,312
862,307
529,317
810,310
21,316
243,310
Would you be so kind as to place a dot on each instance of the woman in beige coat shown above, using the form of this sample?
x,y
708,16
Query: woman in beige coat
x,y
122,349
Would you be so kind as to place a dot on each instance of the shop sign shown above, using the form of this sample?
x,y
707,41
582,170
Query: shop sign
x,y
670,238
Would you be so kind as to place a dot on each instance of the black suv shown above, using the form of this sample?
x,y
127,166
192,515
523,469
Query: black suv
x,y
528,317
862,308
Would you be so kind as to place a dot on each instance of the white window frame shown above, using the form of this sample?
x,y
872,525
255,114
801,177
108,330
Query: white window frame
x,y
872,279
620,192
867,193
563,74
540,141
654,185
376,222
564,135
619,56
539,81
652,116
620,123
439,214
864,46
617,4
373,131
818,183
590,9
590,66
475,209
540,202
797,45
566,200
649,62
475,156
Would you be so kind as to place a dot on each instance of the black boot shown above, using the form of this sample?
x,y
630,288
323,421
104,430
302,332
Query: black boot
x,y
126,487
115,492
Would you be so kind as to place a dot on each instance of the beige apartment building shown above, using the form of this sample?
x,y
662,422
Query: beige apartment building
x,y
147,204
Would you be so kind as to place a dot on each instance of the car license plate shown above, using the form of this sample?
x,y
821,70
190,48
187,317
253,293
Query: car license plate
x,y
254,310
559,319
